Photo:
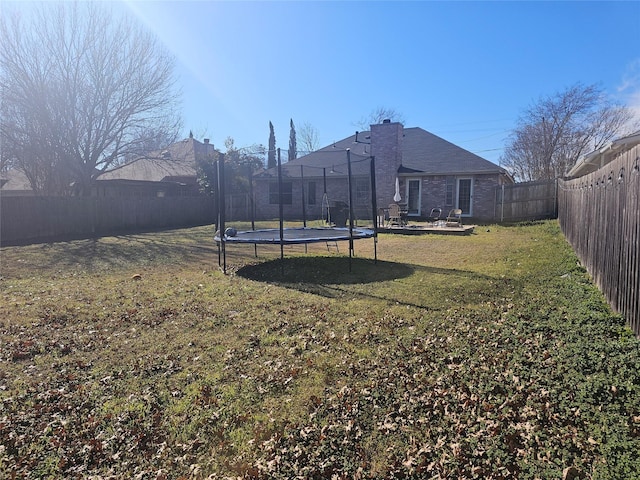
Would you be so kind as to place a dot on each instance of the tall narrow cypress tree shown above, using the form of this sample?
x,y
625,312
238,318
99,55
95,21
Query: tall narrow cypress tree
x,y
293,149
271,156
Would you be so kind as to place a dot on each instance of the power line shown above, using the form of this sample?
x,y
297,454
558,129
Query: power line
x,y
490,150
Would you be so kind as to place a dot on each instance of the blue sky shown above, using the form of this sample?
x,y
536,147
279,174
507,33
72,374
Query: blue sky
x,y
462,70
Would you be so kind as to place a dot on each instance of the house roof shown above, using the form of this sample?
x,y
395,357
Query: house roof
x,y
178,160
599,158
176,163
423,153
15,180
331,159
426,153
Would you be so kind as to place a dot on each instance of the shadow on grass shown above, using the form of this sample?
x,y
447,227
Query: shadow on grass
x,y
318,270
127,250
330,277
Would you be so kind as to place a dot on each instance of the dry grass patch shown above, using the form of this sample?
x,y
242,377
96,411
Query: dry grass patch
x,y
488,356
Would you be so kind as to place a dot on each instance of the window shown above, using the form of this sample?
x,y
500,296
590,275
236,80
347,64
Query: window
x,y
311,193
465,194
413,196
287,193
449,191
363,188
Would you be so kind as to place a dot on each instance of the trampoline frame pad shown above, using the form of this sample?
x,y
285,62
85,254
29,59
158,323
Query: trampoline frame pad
x,y
297,235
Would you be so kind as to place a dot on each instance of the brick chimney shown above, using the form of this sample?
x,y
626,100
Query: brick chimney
x,y
207,147
386,146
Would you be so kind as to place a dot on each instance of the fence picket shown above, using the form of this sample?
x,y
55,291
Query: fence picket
x,y
526,201
599,215
30,219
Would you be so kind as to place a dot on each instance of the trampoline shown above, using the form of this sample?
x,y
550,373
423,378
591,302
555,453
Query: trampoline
x,y
299,235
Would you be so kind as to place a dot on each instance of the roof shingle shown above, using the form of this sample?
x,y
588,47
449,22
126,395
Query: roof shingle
x,y
422,153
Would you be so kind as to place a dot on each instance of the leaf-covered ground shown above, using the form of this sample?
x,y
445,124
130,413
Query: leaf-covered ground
x,y
486,357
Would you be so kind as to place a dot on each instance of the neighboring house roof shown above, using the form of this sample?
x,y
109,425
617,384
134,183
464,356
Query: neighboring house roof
x,y
422,153
177,163
599,158
16,182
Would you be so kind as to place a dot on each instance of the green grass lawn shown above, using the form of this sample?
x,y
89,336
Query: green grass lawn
x,y
489,356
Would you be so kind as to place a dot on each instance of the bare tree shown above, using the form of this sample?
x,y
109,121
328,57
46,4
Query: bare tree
x,y
556,131
378,116
308,138
83,89
148,143
5,160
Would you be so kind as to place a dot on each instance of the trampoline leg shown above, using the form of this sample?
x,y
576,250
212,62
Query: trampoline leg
x,y
375,250
224,257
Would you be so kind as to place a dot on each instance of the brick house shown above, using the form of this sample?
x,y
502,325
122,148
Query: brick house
x,y
430,171
168,172
14,183
163,173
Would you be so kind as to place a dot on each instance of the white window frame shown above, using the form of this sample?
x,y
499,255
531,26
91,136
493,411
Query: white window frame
x,y
457,198
408,181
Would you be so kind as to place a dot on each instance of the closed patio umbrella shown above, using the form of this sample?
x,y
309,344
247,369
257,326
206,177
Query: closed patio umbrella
x,y
397,197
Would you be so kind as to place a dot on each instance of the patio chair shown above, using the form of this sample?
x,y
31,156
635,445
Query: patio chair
x,y
383,217
454,219
434,216
395,217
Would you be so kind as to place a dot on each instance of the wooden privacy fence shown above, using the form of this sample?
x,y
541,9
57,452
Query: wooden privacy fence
x,y
37,219
526,201
599,214
238,207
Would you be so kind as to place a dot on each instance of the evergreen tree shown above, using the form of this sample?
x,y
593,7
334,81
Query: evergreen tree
x,y
271,156
293,150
